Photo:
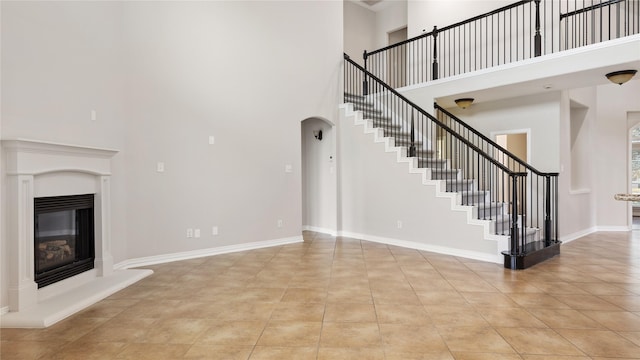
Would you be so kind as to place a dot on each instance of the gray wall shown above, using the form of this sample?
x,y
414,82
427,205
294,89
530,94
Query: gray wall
x,y
162,78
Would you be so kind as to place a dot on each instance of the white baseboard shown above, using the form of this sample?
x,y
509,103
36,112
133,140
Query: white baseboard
x,y
578,234
613,228
475,255
320,230
186,255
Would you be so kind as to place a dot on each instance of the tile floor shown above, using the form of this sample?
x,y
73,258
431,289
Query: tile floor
x,y
340,298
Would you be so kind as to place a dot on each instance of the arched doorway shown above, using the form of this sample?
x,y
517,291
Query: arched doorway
x,y
319,180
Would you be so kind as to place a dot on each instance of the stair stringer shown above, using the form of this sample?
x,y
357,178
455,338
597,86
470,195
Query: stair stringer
x,y
498,243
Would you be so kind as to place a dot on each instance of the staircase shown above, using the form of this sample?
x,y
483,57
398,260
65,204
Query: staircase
x,y
439,169
499,195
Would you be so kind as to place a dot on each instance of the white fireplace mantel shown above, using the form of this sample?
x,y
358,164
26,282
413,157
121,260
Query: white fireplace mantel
x,y
34,169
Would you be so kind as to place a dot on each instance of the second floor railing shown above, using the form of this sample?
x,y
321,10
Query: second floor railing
x,y
519,31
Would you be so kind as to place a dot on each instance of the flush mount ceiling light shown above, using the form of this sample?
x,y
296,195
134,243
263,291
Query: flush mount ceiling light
x,y
464,102
621,77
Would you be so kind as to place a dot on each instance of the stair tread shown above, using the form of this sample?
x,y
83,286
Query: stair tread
x,y
456,181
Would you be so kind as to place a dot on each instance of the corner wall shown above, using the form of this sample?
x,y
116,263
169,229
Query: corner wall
x,y
245,73
611,152
577,186
380,200
359,31
538,113
424,15
60,61
163,77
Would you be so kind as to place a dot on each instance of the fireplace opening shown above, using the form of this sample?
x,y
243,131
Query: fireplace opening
x,y
64,237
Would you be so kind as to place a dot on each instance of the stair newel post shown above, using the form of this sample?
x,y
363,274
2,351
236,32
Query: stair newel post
x,y
537,38
547,213
412,148
435,54
365,83
515,248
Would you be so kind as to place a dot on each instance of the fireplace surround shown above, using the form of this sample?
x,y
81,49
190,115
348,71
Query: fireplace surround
x,y
39,169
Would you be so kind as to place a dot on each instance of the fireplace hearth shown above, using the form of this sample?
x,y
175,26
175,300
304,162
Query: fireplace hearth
x,y
64,237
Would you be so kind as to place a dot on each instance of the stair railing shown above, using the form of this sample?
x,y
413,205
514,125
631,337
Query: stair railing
x,y
543,186
515,32
497,192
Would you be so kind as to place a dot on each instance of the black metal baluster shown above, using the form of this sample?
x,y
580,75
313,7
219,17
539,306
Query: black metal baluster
x,y
365,85
435,53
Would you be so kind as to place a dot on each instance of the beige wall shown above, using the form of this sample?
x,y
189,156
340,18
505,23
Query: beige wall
x,y
163,77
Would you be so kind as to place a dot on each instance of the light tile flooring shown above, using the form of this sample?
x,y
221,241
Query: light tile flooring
x,y
339,298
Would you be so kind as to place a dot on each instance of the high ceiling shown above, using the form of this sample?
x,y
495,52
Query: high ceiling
x,y
371,2
374,5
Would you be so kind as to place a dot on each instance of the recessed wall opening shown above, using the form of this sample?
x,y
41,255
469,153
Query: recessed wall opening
x,y
580,146
319,181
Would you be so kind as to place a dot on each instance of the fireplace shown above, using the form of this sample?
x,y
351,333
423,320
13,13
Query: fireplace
x,y
64,237
58,241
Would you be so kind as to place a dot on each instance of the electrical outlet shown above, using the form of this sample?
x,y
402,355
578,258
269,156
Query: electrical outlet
x,y
196,233
214,230
160,167
399,224
279,223
288,168
189,233
94,115
212,140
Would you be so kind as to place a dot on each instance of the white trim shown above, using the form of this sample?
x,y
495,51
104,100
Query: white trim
x,y
25,161
54,309
4,310
475,255
319,230
194,254
578,234
613,228
49,147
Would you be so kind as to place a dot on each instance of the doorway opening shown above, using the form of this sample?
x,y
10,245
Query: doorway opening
x,y
516,142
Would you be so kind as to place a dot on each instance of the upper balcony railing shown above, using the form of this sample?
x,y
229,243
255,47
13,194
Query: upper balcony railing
x,y
519,31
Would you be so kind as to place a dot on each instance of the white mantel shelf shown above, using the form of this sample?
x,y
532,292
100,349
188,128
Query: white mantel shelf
x,y
39,146
32,157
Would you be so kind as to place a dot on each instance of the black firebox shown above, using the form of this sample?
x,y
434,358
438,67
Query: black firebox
x,y
64,237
